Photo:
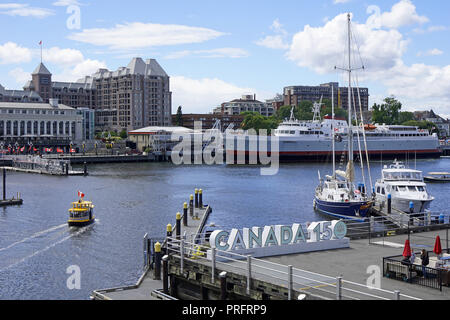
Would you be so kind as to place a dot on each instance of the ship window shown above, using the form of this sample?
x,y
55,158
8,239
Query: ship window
x,y
402,188
412,189
420,188
378,190
292,132
382,191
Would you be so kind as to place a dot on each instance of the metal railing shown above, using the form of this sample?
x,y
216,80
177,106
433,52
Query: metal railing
x,y
296,280
426,276
396,224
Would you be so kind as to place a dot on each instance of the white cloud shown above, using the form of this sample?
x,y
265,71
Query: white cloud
x,y
141,35
382,50
75,72
432,52
402,13
202,95
340,1
211,53
66,3
430,29
11,52
311,47
64,57
19,75
277,41
24,10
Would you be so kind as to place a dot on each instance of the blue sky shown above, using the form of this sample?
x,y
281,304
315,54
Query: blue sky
x,y
215,51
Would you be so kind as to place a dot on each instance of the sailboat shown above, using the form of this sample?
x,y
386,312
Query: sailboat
x,y
338,196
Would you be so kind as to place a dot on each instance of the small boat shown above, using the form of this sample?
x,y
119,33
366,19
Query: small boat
x,y
81,213
406,187
437,177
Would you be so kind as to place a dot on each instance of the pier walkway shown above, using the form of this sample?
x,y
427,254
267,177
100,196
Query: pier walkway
x,y
146,285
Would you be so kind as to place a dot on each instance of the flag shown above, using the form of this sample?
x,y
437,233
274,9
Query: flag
x,y
59,150
34,149
22,149
80,194
40,42
72,150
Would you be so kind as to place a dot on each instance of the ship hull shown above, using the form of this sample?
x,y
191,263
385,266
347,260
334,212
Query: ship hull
x,y
291,149
343,210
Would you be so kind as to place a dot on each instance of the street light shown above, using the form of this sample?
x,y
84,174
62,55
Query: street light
x,y
84,146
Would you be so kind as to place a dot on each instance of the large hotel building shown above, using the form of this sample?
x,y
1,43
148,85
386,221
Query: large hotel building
x,y
129,98
293,95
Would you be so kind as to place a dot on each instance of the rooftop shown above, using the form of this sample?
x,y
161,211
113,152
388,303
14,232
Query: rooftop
x,y
27,105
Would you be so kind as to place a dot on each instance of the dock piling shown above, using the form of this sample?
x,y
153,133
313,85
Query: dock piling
x,y
157,271
178,226
191,205
200,198
185,214
165,267
85,169
196,198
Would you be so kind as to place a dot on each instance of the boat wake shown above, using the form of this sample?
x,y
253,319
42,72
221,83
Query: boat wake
x,y
36,235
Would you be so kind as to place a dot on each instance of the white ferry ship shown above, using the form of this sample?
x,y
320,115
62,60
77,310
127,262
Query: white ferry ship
x,y
312,140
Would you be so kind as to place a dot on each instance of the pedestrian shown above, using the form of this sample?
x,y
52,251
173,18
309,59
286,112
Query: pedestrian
x,y
425,262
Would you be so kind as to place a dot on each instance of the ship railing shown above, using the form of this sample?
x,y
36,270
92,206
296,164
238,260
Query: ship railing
x,y
297,281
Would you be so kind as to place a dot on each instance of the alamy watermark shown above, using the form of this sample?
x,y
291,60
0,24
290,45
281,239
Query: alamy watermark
x,y
374,280
214,147
74,280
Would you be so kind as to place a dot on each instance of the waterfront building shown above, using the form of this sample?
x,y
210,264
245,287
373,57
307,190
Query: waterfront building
x,y
209,120
88,123
293,95
18,96
246,103
442,124
156,138
42,124
126,99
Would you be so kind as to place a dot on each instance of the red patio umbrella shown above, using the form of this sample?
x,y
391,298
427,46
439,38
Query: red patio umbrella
x,y
407,250
437,246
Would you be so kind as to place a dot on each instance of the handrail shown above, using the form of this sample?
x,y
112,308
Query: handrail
x,y
258,267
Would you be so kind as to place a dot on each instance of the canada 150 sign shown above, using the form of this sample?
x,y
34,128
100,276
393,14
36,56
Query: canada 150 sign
x,y
257,237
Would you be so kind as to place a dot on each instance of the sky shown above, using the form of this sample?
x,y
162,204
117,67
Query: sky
x,y
216,51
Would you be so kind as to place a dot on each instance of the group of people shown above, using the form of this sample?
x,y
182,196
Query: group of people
x,y
423,256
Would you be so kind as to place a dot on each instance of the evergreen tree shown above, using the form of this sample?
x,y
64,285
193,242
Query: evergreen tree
x,y
179,117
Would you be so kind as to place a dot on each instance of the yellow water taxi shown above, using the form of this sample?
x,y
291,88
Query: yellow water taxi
x,y
81,213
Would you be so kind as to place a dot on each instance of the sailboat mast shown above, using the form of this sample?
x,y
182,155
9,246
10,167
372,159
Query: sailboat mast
x,y
350,133
333,132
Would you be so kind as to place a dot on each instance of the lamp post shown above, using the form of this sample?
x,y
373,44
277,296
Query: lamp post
x,y
96,148
84,147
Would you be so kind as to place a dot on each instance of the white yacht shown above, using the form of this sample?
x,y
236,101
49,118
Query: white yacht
x,y
406,187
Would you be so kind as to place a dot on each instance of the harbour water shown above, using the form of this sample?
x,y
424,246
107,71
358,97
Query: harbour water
x,y
37,247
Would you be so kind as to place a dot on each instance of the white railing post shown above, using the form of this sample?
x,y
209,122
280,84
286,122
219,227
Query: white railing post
x,y
145,251
249,272
290,282
397,294
213,265
182,255
339,288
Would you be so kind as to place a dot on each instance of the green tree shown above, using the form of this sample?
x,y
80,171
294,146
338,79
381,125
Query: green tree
x,y
256,121
123,134
405,116
388,112
179,117
327,110
283,113
304,111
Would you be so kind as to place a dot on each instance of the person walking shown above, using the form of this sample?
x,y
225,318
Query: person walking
x,y
425,261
